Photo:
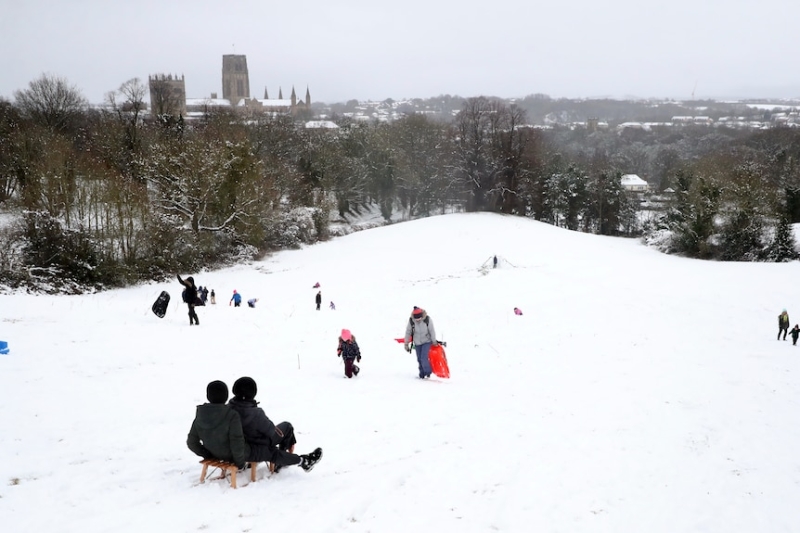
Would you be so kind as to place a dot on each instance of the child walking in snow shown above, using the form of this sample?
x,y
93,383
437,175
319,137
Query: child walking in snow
x,y
795,332
349,352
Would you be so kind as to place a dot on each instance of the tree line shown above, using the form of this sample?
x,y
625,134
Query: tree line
x,y
108,196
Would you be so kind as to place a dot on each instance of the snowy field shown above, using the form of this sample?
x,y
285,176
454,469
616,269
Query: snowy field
x,y
639,392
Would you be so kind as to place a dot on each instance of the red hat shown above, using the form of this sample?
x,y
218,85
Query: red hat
x,y
417,312
346,335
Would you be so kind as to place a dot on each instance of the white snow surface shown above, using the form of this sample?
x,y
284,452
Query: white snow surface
x,y
638,392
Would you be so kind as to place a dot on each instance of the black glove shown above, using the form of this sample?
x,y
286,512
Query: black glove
x,y
358,358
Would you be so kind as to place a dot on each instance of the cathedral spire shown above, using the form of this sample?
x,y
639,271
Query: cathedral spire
x,y
280,93
266,96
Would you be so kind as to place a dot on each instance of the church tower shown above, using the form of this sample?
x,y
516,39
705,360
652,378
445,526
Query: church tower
x,y
235,78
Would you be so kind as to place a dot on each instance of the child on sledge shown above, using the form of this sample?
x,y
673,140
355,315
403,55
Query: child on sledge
x,y
349,352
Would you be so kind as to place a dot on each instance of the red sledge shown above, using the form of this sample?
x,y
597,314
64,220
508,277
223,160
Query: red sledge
x,y
437,358
438,361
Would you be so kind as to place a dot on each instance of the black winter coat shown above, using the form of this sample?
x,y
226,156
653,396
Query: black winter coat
x,y
258,428
216,433
191,292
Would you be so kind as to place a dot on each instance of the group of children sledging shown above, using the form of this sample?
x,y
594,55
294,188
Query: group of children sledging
x,y
238,431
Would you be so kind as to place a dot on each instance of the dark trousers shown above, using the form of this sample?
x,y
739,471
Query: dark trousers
x,y
193,316
785,331
318,304
350,367
280,454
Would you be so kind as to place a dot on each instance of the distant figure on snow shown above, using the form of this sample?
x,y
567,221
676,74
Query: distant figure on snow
x,y
494,262
332,306
236,299
318,299
191,298
795,333
204,295
316,285
517,311
349,352
252,302
783,324
213,297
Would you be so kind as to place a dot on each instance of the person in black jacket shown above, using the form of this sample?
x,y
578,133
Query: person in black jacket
x,y
318,299
191,298
216,432
349,351
783,324
267,441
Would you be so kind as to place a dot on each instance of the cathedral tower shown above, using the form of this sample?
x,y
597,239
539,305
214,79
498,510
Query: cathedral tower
x,y
235,79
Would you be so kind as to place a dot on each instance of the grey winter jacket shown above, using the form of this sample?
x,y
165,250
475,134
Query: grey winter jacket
x,y
216,433
422,332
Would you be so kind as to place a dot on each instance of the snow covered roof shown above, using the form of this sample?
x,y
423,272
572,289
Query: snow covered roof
x,y
274,102
208,101
321,124
631,180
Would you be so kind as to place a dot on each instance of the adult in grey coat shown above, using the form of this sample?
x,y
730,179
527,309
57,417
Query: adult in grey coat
x,y
216,432
420,331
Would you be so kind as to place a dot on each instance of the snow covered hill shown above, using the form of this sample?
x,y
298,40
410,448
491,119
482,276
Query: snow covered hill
x,y
637,392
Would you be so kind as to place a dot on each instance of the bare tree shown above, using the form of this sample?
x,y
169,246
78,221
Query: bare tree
x,y
164,98
128,104
51,101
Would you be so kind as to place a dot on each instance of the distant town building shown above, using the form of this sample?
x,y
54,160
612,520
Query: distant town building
x,y
633,183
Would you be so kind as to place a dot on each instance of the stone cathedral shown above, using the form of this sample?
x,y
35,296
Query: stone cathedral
x,y
168,94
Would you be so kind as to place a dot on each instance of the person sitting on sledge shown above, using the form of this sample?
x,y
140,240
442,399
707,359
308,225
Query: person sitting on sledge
x,y
267,441
420,331
349,352
216,431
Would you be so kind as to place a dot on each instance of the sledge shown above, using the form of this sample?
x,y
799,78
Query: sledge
x,y
160,305
438,361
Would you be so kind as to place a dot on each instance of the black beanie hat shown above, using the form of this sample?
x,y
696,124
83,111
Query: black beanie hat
x,y
217,392
245,388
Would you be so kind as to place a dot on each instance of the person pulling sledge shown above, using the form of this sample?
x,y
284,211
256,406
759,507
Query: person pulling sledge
x,y
421,333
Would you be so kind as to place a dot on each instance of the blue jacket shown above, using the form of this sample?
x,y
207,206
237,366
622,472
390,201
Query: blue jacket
x,y
236,298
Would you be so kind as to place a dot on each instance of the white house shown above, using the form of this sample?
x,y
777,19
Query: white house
x,y
632,182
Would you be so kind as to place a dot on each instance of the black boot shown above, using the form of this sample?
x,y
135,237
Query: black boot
x,y
307,462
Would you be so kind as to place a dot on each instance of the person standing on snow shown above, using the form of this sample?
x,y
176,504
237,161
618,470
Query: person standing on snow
x,y
318,299
783,324
190,298
420,331
236,299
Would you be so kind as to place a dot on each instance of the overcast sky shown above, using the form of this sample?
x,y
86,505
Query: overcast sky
x,y
367,49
